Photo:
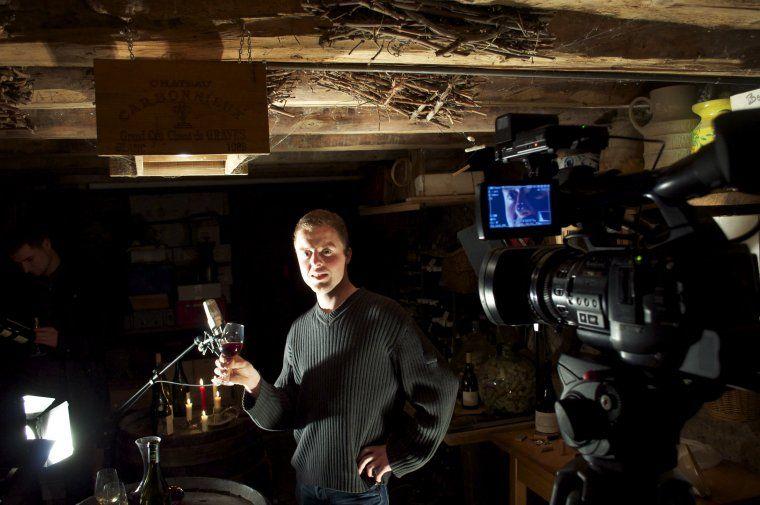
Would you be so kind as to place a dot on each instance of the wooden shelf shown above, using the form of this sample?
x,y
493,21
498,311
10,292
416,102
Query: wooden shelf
x,y
417,203
726,198
164,329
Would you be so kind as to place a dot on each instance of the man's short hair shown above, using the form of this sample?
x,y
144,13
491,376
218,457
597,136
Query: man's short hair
x,y
321,217
31,234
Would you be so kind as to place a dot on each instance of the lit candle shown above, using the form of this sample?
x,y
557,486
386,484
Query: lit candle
x,y
217,402
204,421
170,422
189,411
203,396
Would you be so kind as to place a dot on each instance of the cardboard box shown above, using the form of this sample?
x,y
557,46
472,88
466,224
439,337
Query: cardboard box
x,y
150,302
167,206
172,234
147,254
227,292
184,255
223,253
446,184
206,231
225,275
162,318
190,313
147,279
199,291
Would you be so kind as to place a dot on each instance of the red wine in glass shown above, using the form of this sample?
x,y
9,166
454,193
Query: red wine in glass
x,y
231,340
230,350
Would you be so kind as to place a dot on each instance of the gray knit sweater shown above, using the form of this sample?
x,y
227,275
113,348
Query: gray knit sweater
x,y
345,378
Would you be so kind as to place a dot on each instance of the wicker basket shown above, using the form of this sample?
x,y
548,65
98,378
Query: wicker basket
x,y
735,405
458,276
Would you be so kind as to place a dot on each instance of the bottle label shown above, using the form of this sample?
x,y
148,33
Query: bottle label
x,y
153,453
470,399
546,422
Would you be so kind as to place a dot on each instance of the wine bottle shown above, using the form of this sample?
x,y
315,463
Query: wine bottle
x,y
178,392
153,488
546,416
159,407
470,393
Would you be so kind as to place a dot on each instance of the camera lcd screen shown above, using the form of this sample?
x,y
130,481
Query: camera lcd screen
x,y
519,206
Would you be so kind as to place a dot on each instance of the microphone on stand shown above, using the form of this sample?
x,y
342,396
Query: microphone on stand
x,y
214,317
215,320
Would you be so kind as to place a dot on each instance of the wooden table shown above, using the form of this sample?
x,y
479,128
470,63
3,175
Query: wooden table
x,y
481,463
530,468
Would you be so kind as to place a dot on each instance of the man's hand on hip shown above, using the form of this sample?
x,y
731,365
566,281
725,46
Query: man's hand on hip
x,y
373,461
237,371
47,335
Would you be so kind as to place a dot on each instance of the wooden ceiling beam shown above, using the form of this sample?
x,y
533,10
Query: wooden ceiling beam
x,y
337,160
218,10
80,123
29,13
583,42
73,88
712,14
373,142
63,54
281,145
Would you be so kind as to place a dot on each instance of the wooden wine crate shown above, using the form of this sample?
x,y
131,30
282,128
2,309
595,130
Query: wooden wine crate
x,y
159,107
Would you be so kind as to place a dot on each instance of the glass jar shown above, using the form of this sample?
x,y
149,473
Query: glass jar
x,y
476,344
507,383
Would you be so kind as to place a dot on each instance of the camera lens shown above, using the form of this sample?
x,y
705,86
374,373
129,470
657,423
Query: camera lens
x,y
527,285
504,286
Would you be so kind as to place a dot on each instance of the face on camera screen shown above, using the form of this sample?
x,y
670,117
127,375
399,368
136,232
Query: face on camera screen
x,y
519,206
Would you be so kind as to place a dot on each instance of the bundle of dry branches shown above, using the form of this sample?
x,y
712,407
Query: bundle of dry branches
x,y
15,89
447,27
280,85
443,101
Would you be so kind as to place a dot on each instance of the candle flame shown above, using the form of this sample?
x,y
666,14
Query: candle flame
x,y
203,412
218,395
201,382
189,402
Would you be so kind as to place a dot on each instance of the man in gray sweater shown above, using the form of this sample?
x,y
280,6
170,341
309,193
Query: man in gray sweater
x,y
350,365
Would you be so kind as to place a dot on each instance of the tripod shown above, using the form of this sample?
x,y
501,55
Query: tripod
x,y
625,423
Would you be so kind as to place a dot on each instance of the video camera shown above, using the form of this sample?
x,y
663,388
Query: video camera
x,y
647,279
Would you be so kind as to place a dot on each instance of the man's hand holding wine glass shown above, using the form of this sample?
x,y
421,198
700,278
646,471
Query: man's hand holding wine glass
x,y
236,371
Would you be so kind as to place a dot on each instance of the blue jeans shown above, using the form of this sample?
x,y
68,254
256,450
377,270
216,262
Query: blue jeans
x,y
315,495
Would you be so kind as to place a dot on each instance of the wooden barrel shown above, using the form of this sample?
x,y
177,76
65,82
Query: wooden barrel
x,y
233,451
204,490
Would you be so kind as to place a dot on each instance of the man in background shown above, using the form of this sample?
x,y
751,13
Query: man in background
x,y
57,300
350,364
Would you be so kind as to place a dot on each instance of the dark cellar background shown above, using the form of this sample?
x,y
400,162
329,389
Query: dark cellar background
x,y
392,255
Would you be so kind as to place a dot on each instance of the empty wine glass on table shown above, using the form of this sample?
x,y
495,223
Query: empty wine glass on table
x,y
232,339
118,493
108,488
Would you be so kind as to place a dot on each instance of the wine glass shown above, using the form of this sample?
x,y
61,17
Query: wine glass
x,y
232,339
117,493
107,487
